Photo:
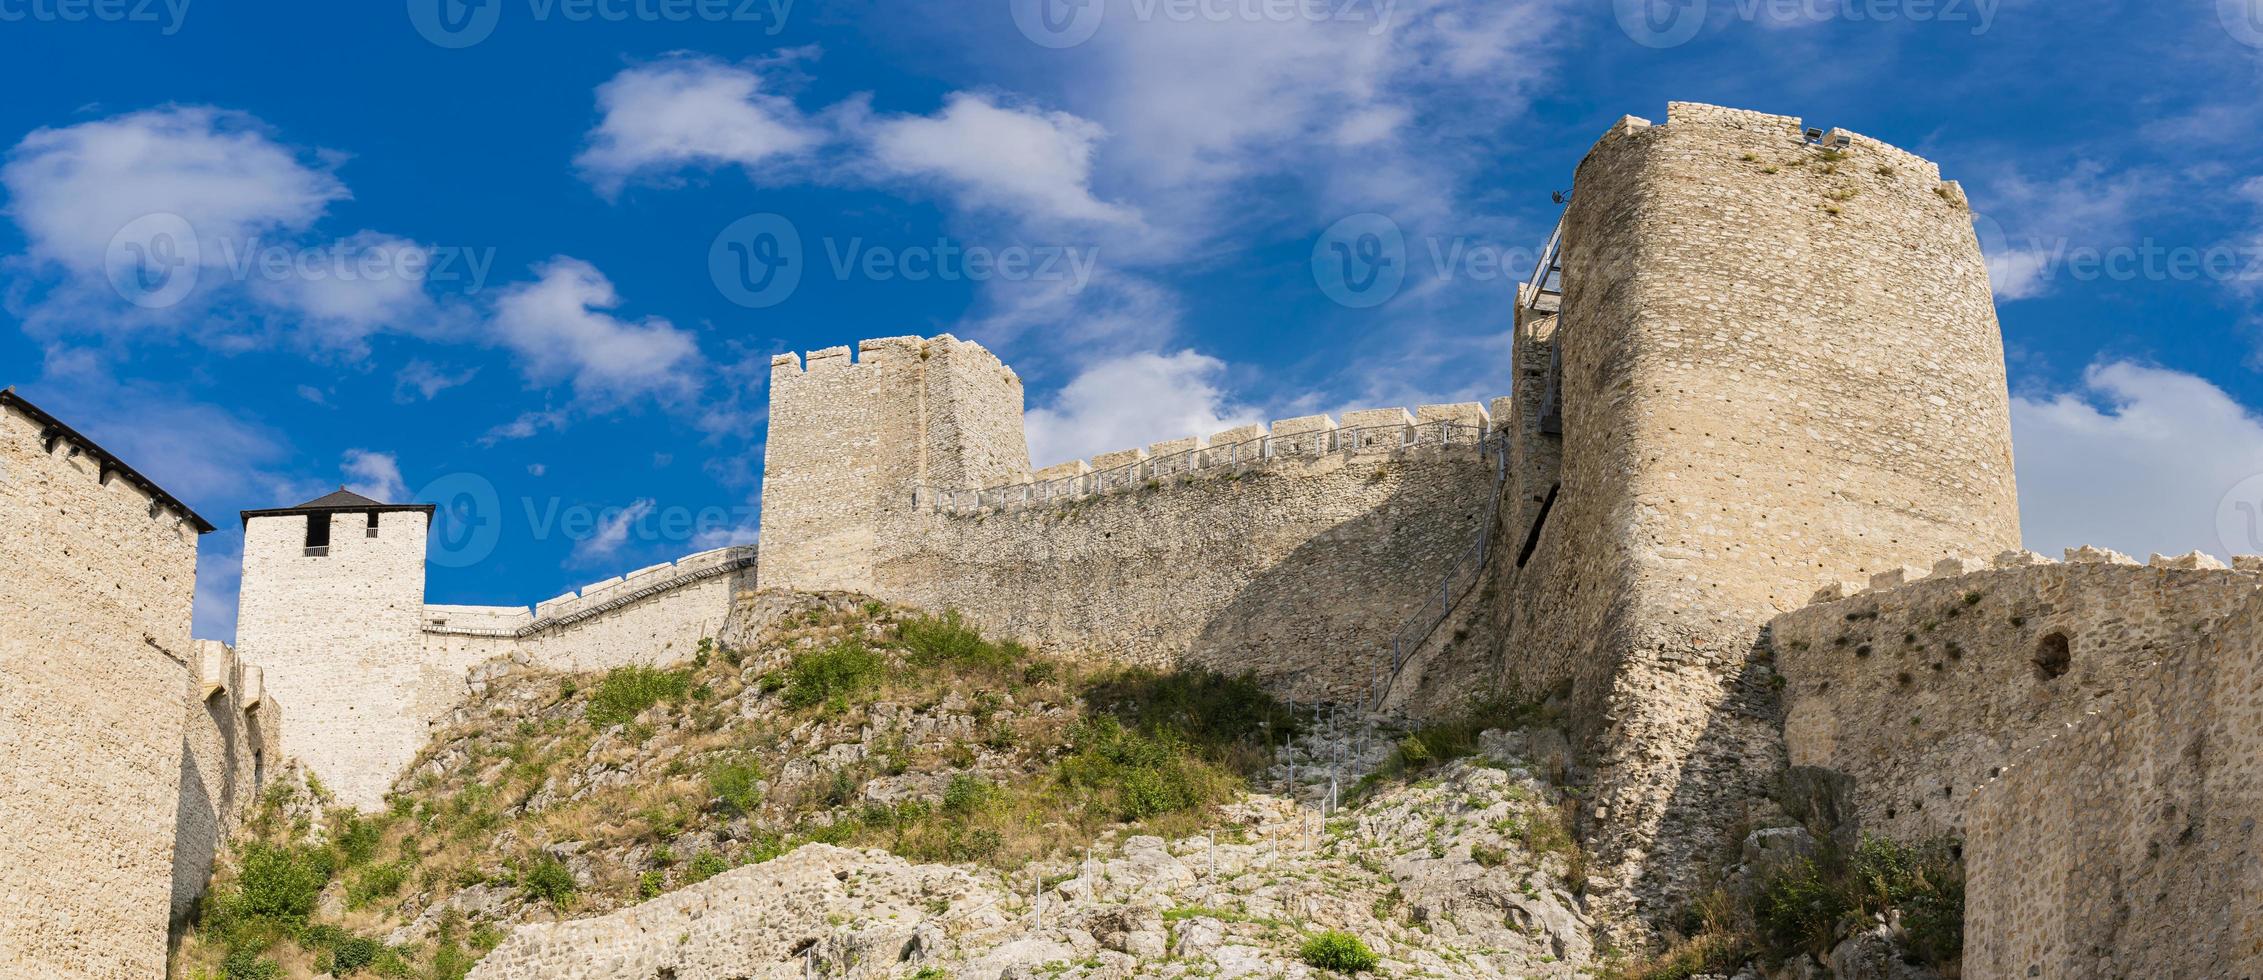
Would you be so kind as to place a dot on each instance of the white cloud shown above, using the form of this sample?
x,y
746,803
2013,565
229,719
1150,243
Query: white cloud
x,y
689,112
557,326
375,475
342,292
612,532
1356,109
1133,401
2027,225
1026,161
428,379
2138,459
72,188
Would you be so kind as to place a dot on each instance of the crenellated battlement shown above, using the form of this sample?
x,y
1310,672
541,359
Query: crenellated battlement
x,y
881,352
1232,452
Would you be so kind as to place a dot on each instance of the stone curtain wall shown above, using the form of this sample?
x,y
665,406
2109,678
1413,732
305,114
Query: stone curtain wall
x,y
1770,380
1295,569
904,474
339,638
96,608
232,740
376,668
1923,692
2126,845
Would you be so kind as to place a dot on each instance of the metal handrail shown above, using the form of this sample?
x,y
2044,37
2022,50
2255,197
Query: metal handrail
x,y
1408,639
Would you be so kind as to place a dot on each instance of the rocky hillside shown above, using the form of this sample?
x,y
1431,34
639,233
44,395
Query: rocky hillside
x,y
836,722
1463,874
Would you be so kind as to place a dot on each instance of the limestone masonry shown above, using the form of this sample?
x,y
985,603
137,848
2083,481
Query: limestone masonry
x,y
904,474
1758,359
94,638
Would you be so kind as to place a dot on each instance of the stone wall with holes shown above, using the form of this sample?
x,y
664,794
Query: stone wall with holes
x,y
1923,685
232,739
94,636
1780,365
1292,551
2124,844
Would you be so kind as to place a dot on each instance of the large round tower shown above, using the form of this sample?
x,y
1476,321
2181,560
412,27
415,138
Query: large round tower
x,y
1776,364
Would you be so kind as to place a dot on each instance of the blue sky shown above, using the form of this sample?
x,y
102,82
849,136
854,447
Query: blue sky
x,y
555,220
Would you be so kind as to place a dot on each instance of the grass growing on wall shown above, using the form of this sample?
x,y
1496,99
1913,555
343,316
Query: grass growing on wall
x,y
714,760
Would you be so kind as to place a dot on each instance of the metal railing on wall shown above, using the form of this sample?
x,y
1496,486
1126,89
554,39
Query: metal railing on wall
x,y
1206,459
1461,578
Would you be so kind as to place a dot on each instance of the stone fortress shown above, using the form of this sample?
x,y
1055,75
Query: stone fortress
x,y
1759,359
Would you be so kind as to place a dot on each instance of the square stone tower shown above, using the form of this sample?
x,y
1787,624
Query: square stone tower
x,y
852,440
332,605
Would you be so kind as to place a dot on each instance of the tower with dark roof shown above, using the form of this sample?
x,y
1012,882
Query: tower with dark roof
x,y
331,603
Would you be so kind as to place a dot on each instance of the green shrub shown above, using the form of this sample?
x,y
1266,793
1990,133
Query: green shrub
x,y
626,692
280,885
377,881
966,794
833,675
1800,908
549,881
1204,709
1341,952
707,865
353,953
1137,775
247,964
735,784
933,641
358,840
